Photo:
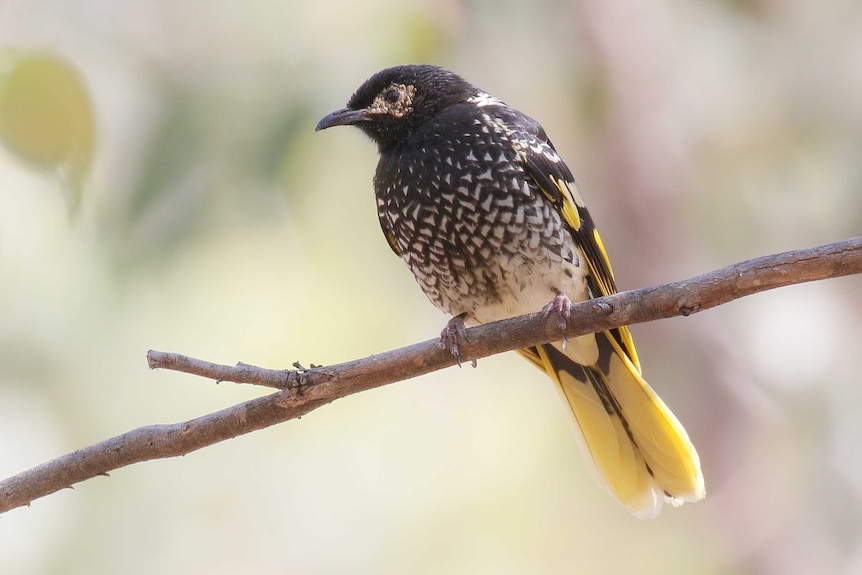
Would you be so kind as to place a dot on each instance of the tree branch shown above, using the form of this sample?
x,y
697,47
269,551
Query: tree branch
x,y
303,390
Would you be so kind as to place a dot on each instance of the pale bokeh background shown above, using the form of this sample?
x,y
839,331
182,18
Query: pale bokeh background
x,y
215,222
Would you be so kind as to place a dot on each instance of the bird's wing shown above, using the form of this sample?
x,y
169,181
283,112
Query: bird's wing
x,y
390,239
556,182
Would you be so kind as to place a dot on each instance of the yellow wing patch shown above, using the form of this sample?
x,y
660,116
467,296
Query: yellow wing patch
x,y
571,201
593,249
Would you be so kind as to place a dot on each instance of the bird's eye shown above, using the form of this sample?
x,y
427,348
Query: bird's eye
x,y
392,96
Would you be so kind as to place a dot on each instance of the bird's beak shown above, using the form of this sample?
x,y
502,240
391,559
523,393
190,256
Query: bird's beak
x,y
344,117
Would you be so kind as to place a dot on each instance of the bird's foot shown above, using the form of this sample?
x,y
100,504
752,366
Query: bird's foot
x,y
453,334
562,306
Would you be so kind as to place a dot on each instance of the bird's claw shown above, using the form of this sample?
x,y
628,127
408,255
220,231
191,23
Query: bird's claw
x,y
451,336
562,306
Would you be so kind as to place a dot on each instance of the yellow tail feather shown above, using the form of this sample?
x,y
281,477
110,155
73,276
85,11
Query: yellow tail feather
x,y
639,450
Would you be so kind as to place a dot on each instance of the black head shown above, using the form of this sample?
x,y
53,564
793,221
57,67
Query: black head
x,y
396,102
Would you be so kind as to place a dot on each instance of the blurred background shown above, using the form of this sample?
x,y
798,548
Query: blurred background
x,y
161,186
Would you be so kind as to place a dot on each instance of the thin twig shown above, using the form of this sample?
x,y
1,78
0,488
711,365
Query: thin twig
x,y
303,390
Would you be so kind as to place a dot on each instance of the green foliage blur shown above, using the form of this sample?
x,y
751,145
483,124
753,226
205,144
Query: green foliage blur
x,y
161,186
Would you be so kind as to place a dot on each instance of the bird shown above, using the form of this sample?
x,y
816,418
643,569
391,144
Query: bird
x,y
475,199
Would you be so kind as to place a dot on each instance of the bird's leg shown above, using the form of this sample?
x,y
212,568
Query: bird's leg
x,y
454,332
562,306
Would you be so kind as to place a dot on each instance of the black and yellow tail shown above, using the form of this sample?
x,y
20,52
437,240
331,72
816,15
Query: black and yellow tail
x,y
640,451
